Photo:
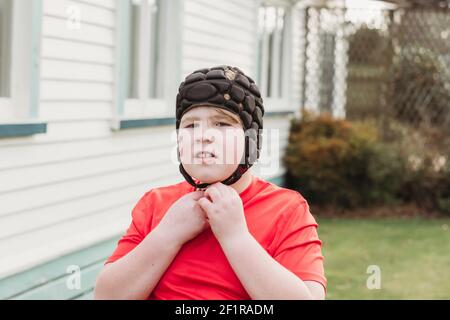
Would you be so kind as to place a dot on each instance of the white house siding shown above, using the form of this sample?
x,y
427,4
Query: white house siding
x,y
220,32
77,184
276,131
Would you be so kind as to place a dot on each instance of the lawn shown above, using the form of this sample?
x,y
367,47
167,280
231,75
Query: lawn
x,y
413,256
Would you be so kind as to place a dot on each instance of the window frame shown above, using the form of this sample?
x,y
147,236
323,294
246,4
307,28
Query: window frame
x,y
19,115
284,101
5,101
145,107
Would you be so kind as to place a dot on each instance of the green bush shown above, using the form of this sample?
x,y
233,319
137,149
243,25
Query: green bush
x,y
426,178
347,164
338,162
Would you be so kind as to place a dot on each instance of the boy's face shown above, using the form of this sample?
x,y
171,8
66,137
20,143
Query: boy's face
x,y
211,143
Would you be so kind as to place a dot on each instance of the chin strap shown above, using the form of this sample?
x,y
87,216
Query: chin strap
x,y
237,174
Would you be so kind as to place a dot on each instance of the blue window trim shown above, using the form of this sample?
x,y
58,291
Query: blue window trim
x,y
22,129
157,122
27,128
142,123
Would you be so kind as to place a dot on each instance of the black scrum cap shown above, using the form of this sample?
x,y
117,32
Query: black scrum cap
x,y
230,89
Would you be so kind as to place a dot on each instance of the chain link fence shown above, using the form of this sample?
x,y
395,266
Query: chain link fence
x,y
384,63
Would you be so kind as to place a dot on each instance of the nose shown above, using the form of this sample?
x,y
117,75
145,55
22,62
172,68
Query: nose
x,y
204,134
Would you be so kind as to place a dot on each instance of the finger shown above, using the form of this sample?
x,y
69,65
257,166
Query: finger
x,y
207,225
196,194
217,184
230,190
213,193
203,213
222,188
226,191
198,208
205,204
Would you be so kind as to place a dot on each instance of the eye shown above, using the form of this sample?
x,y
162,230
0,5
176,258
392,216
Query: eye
x,y
223,124
189,125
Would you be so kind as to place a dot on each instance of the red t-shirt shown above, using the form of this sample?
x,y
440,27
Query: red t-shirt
x,y
278,218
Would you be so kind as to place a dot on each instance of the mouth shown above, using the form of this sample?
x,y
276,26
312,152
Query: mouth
x,y
205,155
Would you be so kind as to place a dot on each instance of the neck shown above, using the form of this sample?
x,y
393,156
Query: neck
x,y
243,182
240,185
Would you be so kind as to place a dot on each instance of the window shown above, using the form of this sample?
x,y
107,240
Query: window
x,y
149,59
144,49
5,47
20,36
272,51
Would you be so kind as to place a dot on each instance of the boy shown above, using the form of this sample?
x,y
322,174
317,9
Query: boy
x,y
223,233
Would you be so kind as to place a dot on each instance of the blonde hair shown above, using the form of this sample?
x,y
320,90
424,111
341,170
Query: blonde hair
x,y
229,115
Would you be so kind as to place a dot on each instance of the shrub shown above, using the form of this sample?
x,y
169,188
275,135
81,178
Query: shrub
x,y
426,178
348,164
338,162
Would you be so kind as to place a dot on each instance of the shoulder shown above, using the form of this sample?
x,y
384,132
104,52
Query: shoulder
x,y
295,206
167,192
278,194
160,197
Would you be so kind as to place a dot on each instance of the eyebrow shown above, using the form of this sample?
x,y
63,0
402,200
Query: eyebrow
x,y
218,117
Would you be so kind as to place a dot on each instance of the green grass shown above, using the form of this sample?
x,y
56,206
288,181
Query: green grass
x,y
413,256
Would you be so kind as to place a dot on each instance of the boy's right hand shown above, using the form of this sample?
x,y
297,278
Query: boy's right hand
x,y
185,219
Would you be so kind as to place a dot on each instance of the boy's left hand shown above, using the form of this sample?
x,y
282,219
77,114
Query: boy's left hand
x,y
225,211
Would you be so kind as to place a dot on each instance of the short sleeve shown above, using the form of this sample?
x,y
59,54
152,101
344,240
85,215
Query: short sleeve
x,y
136,232
299,248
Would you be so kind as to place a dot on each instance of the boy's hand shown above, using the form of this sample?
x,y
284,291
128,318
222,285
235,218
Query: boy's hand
x,y
225,211
185,219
